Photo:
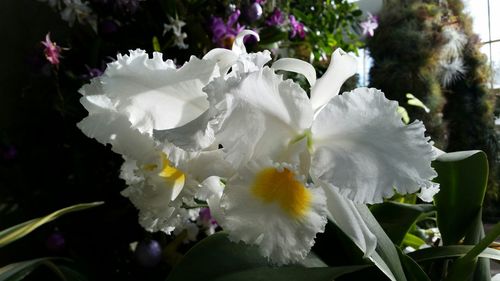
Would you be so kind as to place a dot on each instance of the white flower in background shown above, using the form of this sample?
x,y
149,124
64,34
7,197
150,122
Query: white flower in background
x,y
76,10
451,55
176,27
269,203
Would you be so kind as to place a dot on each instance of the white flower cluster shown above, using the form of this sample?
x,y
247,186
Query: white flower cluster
x,y
271,163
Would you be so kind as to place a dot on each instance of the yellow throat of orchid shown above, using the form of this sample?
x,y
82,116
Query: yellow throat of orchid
x,y
173,177
280,186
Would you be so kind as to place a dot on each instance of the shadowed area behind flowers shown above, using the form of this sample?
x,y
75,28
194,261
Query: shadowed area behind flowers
x,y
46,163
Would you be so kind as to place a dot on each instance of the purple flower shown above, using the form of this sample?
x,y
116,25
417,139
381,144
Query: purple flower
x,y
253,12
52,51
297,28
369,25
223,33
94,72
206,217
276,18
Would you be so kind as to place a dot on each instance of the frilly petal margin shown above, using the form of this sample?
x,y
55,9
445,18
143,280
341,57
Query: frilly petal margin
x,y
363,149
110,127
154,93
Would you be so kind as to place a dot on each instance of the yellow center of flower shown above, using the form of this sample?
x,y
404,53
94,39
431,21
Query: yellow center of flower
x,y
281,187
175,178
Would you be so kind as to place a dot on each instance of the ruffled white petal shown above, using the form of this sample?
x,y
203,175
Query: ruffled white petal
x,y
363,149
153,93
342,66
344,214
258,113
238,45
298,66
109,127
427,193
223,57
280,237
196,135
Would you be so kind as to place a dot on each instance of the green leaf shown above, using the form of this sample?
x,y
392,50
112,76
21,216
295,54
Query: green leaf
x,y
19,270
462,177
447,252
217,258
16,232
413,241
386,258
156,44
413,271
290,273
464,266
397,218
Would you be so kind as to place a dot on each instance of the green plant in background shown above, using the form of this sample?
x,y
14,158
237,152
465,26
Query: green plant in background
x,y
405,51
470,103
428,48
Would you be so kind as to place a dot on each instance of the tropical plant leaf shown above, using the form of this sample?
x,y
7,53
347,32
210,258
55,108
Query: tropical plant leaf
x,y
217,258
413,241
462,177
19,270
16,232
386,258
463,265
413,271
397,218
449,252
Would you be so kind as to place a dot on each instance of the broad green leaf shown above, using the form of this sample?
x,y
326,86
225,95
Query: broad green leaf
x,y
290,273
16,232
217,258
480,266
335,248
397,218
464,266
413,271
19,270
448,252
462,177
387,258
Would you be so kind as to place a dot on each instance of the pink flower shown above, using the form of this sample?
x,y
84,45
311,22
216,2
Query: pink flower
x,y
369,25
52,51
297,28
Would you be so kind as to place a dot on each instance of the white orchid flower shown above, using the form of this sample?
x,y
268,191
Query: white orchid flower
x,y
199,133
135,96
360,145
361,150
165,189
270,203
